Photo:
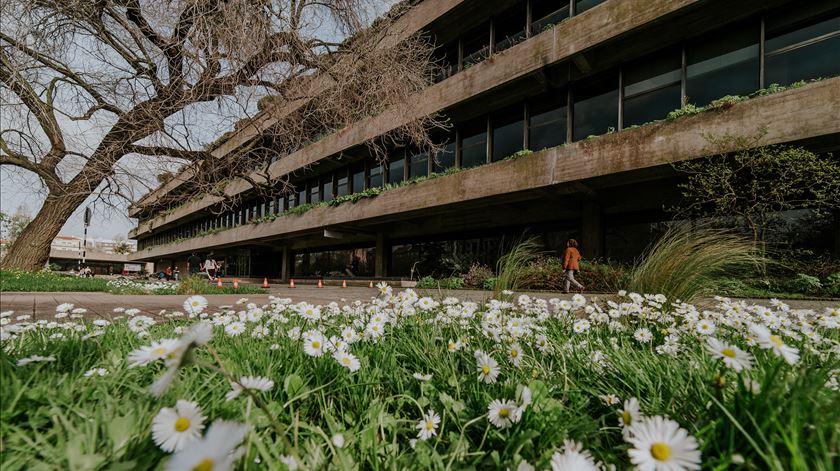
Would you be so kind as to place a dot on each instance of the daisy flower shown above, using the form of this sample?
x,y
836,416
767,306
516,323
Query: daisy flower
x,y
234,328
629,415
660,444
195,304
705,327
314,346
573,457
515,354
580,326
732,356
768,340
153,352
338,440
290,462
34,359
488,369
198,334
96,372
175,428
643,335
422,377
347,360
217,450
453,346
503,414
609,399
254,383
64,307
427,427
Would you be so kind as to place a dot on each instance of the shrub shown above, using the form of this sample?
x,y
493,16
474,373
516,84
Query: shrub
x,y
427,282
510,269
489,284
831,286
803,283
726,102
686,110
477,275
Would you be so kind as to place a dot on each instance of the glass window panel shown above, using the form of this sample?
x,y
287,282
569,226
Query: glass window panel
x,y
445,158
375,177
583,5
328,188
548,122
358,178
474,150
396,169
508,133
477,44
419,165
652,87
596,109
314,191
510,26
807,53
291,201
545,14
651,106
723,63
341,186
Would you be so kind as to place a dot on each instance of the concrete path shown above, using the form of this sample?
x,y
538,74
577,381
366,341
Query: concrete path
x,y
42,305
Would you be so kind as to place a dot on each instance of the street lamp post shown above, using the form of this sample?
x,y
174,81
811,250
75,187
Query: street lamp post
x,y
84,240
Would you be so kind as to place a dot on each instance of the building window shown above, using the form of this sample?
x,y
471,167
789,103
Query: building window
x,y
474,143
327,183
341,185
596,106
291,201
375,175
477,45
723,63
806,53
508,132
583,5
545,14
548,123
446,57
509,27
358,177
445,159
314,191
652,87
396,169
419,165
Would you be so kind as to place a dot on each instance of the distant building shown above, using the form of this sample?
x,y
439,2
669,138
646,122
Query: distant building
x,y
560,128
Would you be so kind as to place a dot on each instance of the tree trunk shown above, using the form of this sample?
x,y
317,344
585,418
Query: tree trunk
x,y
31,250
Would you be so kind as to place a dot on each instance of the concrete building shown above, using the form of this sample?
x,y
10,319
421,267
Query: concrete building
x,y
584,85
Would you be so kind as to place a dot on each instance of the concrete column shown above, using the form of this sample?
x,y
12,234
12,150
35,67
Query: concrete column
x,y
592,230
835,233
383,255
286,263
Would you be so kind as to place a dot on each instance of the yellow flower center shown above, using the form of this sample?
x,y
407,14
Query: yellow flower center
x,y
345,360
159,351
626,418
196,303
451,346
660,451
485,369
776,340
514,353
182,424
205,465
316,344
430,425
503,413
728,352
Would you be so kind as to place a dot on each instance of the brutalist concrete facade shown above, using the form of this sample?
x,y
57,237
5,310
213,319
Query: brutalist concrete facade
x,y
585,86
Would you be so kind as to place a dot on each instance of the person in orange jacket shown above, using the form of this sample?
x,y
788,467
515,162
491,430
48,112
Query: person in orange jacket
x,y
571,259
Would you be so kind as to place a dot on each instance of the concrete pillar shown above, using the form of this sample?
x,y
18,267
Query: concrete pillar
x,y
286,263
383,255
835,233
592,230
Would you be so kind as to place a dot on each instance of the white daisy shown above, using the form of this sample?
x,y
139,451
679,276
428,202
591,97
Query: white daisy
x,y
488,369
198,334
195,304
253,383
234,328
732,356
629,415
217,450
427,427
96,372
422,377
573,458
314,346
347,360
515,354
643,335
64,307
660,444
609,399
153,352
337,440
175,428
34,359
768,340
503,414
705,327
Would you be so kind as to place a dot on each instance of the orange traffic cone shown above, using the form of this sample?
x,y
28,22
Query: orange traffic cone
x,y
219,283
235,283
370,285
265,282
320,284
343,283
291,282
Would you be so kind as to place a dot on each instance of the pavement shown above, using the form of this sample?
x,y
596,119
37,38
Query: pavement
x,y
42,305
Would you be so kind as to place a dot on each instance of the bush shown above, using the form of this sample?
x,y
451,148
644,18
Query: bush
x,y
806,284
831,287
477,275
428,282
489,284
686,110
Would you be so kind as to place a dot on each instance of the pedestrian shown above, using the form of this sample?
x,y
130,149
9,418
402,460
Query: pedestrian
x,y
168,273
210,266
571,259
176,274
193,264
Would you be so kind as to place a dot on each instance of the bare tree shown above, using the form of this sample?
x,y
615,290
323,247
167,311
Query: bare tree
x,y
98,95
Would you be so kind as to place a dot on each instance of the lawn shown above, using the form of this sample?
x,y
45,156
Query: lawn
x,y
14,280
404,382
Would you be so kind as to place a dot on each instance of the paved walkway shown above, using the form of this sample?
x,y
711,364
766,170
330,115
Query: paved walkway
x,y
42,305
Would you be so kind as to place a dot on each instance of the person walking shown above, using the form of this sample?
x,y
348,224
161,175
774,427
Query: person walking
x,y
571,259
210,266
193,264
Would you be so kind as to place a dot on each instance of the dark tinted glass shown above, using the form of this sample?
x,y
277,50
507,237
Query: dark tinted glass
x,y
445,158
419,165
723,63
375,178
358,178
314,192
547,13
583,5
474,149
806,53
341,186
596,108
477,44
396,169
328,188
548,121
652,87
510,26
508,131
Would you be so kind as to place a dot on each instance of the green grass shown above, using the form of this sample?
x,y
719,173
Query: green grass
x,y
55,418
13,280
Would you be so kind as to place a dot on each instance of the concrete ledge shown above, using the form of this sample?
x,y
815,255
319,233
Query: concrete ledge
x,y
807,112
602,23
